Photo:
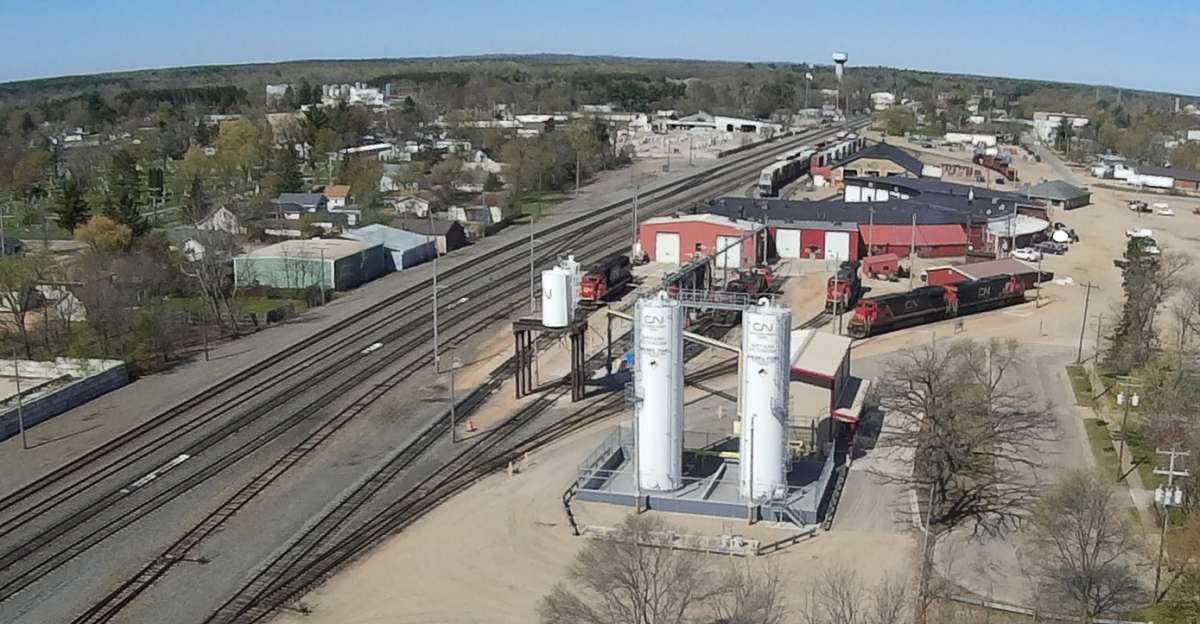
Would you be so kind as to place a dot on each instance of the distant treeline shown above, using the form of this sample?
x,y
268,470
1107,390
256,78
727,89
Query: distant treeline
x,y
221,99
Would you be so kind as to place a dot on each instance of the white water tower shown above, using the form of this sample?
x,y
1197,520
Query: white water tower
x,y
658,386
766,373
839,64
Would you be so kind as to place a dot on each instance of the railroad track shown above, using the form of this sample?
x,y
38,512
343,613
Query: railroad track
x,y
39,568
318,343
305,564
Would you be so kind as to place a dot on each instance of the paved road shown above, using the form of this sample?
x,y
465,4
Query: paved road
x,y
1049,157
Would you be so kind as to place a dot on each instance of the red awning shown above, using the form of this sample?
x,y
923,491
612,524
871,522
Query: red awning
x,y
902,235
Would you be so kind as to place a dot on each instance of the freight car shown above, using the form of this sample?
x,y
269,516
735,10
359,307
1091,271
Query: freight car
x,y
876,315
786,169
605,278
844,288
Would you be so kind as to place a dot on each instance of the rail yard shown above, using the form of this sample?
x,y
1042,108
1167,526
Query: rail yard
x,y
187,481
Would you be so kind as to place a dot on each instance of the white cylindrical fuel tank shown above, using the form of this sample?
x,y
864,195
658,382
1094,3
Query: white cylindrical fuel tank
x,y
658,384
766,372
573,267
556,298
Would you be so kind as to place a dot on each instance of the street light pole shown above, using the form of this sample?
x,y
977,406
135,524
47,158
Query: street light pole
x,y
453,432
437,359
20,406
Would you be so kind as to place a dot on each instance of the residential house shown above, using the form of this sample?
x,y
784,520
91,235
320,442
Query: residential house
x,y
337,195
377,151
194,242
292,205
416,205
224,220
449,235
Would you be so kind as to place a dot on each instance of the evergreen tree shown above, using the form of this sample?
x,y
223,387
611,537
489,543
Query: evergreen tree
x,y
304,94
287,171
203,133
195,202
121,202
72,209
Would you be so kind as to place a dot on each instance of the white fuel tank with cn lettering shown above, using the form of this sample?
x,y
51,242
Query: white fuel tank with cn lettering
x,y
658,386
556,297
766,373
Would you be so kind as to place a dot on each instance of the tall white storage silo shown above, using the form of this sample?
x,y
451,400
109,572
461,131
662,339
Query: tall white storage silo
x,y
766,371
658,384
556,297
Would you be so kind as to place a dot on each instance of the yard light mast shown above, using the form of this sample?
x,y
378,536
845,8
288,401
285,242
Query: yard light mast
x,y
839,68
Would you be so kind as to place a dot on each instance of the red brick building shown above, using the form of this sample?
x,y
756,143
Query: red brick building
x,y
945,275
676,240
930,241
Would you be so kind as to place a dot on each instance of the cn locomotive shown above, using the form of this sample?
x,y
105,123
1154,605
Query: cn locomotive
x,y
876,315
844,288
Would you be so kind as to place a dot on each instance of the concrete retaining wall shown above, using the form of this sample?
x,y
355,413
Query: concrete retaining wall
x,y
110,376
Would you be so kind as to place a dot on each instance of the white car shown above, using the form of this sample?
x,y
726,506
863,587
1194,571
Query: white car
x,y
1139,233
1028,254
1166,212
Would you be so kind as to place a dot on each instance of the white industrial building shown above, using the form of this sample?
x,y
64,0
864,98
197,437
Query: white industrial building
x,y
971,138
1046,125
704,120
882,100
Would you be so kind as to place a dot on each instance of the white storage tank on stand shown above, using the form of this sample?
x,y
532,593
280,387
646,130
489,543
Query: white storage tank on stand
x,y
556,297
766,372
576,271
658,385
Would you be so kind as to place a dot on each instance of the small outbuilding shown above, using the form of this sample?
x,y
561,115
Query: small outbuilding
x,y
403,249
674,240
954,274
1060,194
336,264
448,235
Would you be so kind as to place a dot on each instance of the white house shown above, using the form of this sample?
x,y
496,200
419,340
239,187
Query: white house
x,y
276,92
367,96
337,195
412,204
479,161
222,219
380,151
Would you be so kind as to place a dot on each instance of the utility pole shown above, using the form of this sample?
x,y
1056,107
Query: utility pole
x,y
453,433
912,253
323,276
532,291
1083,325
20,405
1125,401
1169,497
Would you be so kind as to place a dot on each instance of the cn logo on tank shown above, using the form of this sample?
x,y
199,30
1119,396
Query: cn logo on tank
x,y
654,319
762,326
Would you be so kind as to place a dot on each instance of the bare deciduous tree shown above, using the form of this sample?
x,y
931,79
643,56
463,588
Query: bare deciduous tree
x,y
973,432
1082,545
841,597
636,576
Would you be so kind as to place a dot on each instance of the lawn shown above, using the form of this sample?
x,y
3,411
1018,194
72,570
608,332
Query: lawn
x,y
1102,447
1081,383
542,204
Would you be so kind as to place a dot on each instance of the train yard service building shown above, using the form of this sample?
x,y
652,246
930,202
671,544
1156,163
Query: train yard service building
x,y
328,263
676,240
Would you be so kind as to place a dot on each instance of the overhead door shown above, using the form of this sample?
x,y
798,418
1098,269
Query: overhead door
x,y
787,243
730,248
666,247
837,245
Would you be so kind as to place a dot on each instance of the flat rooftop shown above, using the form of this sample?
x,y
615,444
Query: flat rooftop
x,y
819,352
312,249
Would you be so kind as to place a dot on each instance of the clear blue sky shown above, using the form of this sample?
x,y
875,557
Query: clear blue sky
x,y
1088,41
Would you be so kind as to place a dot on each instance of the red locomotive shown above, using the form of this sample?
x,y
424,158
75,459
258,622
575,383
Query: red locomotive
x,y
604,278
844,288
876,315
753,282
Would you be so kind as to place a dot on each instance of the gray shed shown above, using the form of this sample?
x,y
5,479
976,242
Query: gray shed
x,y
404,249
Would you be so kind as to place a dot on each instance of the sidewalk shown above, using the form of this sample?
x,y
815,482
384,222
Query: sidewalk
x,y
1141,497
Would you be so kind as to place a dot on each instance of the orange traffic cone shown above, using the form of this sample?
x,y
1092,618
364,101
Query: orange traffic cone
x,y
470,428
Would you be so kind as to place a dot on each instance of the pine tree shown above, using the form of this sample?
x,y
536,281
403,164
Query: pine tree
x,y
124,193
72,209
203,134
287,171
